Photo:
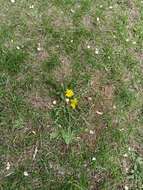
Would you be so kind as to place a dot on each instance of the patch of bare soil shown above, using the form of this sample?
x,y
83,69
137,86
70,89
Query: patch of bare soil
x,y
105,91
58,18
42,55
88,22
96,78
97,178
100,100
108,95
64,70
133,18
16,161
134,12
139,57
40,102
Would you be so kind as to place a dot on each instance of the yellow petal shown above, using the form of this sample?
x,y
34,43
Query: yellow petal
x,y
69,93
73,106
74,103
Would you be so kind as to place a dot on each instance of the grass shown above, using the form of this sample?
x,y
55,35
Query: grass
x,y
94,48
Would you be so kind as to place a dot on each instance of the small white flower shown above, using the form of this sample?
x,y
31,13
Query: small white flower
x,y
89,98
12,1
35,153
97,19
101,6
134,43
88,46
125,155
54,102
93,159
99,113
108,57
71,41
114,107
67,100
7,166
129,149
127,40
78,138
39,47
12,40
96,51
122,129
126,187
72,10
31,6
91,132
17,47
34,132
114,36
26,173
110,7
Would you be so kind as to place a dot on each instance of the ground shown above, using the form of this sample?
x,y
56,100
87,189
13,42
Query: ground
x,y
95,49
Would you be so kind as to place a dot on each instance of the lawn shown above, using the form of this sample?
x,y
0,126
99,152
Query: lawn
x,y
71,95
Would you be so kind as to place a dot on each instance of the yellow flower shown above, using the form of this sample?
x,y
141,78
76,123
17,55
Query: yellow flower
x,y
74,103
69,93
